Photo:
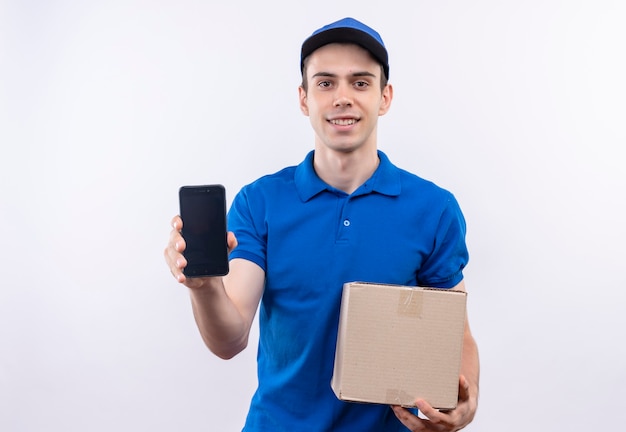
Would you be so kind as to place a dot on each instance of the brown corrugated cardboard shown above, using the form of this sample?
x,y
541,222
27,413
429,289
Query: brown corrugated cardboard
x,y
397,343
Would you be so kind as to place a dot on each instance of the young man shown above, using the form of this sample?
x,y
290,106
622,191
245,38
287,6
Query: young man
x,y
344,214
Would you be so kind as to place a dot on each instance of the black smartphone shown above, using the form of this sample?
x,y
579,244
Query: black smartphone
x,y
203,211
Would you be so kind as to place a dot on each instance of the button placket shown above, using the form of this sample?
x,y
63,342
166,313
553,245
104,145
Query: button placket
x,y
343,221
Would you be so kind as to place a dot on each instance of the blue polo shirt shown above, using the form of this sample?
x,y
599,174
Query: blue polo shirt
x,y
310,239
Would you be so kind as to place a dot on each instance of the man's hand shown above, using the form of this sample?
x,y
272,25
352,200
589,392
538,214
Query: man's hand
x,y
441,421
175,260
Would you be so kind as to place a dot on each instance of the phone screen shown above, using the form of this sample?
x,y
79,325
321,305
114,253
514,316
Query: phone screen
x,y
203,211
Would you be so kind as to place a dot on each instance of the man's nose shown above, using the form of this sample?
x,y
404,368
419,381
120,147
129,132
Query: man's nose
x,y
342,97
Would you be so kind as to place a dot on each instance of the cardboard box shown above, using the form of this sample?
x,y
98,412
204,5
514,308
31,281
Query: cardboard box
x,y
398,343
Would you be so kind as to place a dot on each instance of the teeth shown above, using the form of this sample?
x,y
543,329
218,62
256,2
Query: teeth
x,y
343,122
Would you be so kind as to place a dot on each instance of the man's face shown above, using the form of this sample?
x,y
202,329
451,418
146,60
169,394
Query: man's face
x,y
344,98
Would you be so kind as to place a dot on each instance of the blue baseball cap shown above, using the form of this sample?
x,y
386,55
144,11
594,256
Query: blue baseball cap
x,y
351,31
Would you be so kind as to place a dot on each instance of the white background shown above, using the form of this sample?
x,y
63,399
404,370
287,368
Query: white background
x,y
106,108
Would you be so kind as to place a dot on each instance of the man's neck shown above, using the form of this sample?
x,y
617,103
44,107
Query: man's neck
x,y
345,171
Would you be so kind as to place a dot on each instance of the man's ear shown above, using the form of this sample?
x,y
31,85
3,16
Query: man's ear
x,y
303,101
386,99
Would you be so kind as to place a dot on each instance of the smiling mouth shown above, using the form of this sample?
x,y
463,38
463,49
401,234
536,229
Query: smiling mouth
x,y
343,122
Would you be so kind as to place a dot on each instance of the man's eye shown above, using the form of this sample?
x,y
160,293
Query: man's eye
x,y
361,84
324,84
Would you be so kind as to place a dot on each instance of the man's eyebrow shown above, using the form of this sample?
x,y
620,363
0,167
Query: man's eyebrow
x,y
364,73
323,74
332,75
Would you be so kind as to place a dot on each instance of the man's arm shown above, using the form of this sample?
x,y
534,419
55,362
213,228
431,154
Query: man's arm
x,y
463,414
223,307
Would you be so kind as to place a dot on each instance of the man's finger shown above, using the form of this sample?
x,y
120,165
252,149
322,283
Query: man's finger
x,y
463,388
